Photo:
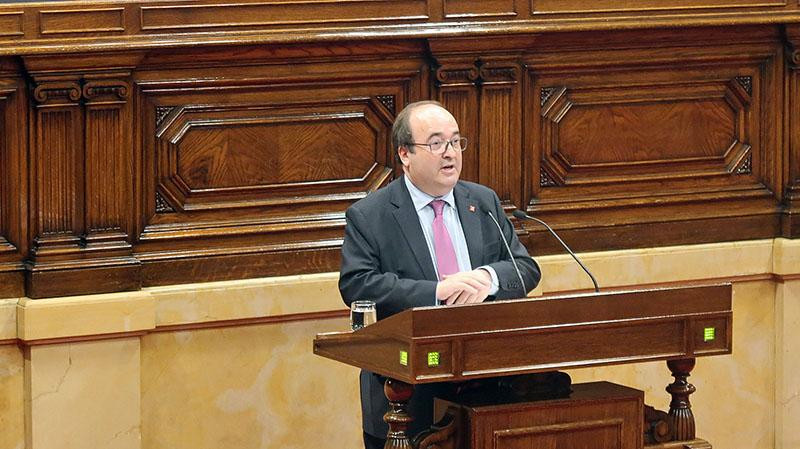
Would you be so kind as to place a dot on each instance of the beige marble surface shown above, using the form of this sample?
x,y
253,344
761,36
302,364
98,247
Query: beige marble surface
x,y
8,318
248,387
666,264
84,395
252,298
260,386
786,257
787,399
84,315
734,392
12,406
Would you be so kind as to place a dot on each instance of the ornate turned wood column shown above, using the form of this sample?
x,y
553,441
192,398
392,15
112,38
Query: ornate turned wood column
x,y
82,177
398,393
680,408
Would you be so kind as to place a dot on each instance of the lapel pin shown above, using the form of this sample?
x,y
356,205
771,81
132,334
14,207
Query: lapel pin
x,y
471,208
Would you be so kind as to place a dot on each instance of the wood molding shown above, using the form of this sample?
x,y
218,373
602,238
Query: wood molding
x,y
199,160
14,241
791,199
149,24
83,185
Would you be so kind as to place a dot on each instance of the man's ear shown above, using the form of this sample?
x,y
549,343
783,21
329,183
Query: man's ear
x,y
402,154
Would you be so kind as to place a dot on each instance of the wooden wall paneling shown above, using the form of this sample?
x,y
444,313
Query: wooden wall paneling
x,y
247,170
790,226
637,137
500,113
456,87
13,169
484,93
471,9
81,189
583,7
108,175
180,16
56,174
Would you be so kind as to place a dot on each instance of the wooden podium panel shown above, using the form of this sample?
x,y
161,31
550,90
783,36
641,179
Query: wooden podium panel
x,y
597,415
456,343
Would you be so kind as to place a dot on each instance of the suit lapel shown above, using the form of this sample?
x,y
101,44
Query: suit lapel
x,y
469,213
408,221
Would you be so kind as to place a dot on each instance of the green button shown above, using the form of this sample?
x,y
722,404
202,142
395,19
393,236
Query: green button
x,y
709,333
433,359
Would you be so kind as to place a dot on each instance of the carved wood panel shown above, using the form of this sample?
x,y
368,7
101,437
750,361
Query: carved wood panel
x,y
82,185
638,139
606,6
639,132
203,162
58,161
470,9
306,13
257,152
13,166
790,225
501,153
456,89
260,160
485,98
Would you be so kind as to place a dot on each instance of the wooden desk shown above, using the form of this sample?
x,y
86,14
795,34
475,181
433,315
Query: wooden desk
x,y
461,343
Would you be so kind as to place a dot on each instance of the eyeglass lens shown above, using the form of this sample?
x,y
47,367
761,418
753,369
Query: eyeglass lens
x,y
441,146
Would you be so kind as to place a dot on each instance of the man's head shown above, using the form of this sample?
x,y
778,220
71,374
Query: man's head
x,y
418,130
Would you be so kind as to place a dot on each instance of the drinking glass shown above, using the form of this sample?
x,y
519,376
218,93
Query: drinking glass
x,y
362,313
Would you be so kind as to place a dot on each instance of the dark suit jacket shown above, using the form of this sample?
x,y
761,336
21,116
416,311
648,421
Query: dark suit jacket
x,y
385,259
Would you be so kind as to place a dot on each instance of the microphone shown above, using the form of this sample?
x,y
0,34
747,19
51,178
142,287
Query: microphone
x,y
508,248
523,216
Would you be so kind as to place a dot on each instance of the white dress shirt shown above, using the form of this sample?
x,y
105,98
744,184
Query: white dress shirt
x,y
425,213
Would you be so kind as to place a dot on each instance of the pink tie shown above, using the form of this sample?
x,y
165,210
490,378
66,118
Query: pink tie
x,y
445,253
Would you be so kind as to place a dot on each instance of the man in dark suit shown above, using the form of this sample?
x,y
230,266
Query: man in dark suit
x,y
427,239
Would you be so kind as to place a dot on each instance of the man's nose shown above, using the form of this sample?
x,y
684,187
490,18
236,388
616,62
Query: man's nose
x,y
449,150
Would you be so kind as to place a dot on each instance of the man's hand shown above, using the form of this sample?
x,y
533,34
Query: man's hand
x,y
466,287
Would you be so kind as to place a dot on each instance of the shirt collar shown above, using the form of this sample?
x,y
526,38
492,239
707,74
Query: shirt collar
x,y
422,199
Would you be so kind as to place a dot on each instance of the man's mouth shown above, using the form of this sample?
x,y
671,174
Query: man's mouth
x,y
448,167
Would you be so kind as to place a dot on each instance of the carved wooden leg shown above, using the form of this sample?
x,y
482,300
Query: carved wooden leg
x,y
680,409
397,417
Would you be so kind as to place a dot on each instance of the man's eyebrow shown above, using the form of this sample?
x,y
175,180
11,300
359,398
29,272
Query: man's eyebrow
x,y
457,133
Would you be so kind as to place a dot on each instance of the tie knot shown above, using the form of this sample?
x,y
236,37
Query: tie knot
x,y
438,207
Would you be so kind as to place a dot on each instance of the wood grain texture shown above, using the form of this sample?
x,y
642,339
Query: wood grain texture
x,y
469,9
83,21
532,336
595,415
39,28
608,6
177,17
790,226
11,24
173,156
13,181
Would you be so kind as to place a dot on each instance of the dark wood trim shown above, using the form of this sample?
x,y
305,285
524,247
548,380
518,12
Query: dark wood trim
x,y
138,151
310,316
12,283
259,34
80,338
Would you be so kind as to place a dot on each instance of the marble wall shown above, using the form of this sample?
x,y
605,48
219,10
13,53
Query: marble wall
x,y
230,364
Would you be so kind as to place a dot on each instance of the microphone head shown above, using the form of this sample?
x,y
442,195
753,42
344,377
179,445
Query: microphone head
x,y
519,214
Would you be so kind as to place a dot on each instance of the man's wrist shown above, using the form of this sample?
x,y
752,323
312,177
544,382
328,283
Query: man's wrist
x,y
493,275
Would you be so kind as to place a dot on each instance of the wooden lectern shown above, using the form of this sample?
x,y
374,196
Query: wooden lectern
x,y
463,343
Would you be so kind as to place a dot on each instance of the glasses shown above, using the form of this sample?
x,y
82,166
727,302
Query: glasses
x,y
439,146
